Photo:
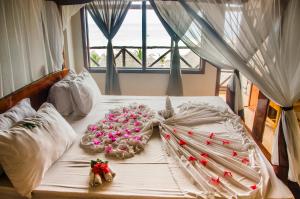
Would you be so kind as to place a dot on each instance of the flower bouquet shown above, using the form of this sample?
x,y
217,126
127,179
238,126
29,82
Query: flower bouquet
x,y
100,170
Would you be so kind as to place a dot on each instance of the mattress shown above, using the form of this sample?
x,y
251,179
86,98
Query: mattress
x,y
149,174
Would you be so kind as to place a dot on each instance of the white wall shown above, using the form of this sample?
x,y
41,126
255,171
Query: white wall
x,y
139,83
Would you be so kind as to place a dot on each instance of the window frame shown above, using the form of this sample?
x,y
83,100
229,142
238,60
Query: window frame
x,y
144,68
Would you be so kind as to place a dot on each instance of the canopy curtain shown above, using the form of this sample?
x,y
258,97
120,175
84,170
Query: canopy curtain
x,y
260,39
175,81
28,48
109,16
234,94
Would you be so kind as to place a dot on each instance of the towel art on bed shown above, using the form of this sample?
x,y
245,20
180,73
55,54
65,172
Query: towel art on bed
x,y
222,164
122,133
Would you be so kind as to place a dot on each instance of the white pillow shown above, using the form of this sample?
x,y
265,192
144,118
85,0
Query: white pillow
x,y
30,147
85,92
60,95
18,112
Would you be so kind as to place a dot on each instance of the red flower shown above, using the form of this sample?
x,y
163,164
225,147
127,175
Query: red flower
x,y
211,135
182,142
253,187
203,162
192,158
227,173
205,155
225,142
245,160
190,133
215,181
234,153
97,168
167,136
104,167
208,142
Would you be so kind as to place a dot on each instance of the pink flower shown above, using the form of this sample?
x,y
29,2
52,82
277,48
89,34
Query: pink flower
x,y
126,135
113,139
108,149
96,142
118,133
93,127
137,129
128,131
137,123
99,134
110,135
133,116
138,137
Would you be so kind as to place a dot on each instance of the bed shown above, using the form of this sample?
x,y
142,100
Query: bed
x,y
149,174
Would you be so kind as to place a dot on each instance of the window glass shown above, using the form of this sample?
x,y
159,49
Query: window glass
x,y
128,43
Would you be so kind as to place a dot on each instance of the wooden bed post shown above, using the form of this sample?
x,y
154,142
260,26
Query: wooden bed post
x,y
260,117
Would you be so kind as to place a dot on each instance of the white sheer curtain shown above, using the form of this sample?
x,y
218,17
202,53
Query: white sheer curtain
x,y
30,39
260,38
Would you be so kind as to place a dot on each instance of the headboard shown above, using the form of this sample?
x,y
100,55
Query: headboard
x,y
37,91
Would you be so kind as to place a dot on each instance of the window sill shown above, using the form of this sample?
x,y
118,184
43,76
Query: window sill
x,y
148,70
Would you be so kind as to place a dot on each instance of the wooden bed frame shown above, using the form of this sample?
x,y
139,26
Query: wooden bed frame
x,y
37,91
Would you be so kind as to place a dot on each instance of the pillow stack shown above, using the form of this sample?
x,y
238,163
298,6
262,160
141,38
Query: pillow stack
x,y
75,94
32,145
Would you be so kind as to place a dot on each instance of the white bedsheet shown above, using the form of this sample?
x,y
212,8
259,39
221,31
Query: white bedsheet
x,y
150,174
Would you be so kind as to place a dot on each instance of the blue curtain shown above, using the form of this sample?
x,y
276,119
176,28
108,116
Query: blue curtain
x,y
175,81
109,16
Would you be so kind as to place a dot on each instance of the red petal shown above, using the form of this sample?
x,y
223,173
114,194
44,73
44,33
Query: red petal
x,y
192,158
190,132
174,130
203,161
208,142
211,135
253,187
245,160
182,142
234,153
225,142
167,136
215,181
227,173
205,155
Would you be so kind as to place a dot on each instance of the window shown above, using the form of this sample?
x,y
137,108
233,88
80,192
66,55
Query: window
x,y
141,45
